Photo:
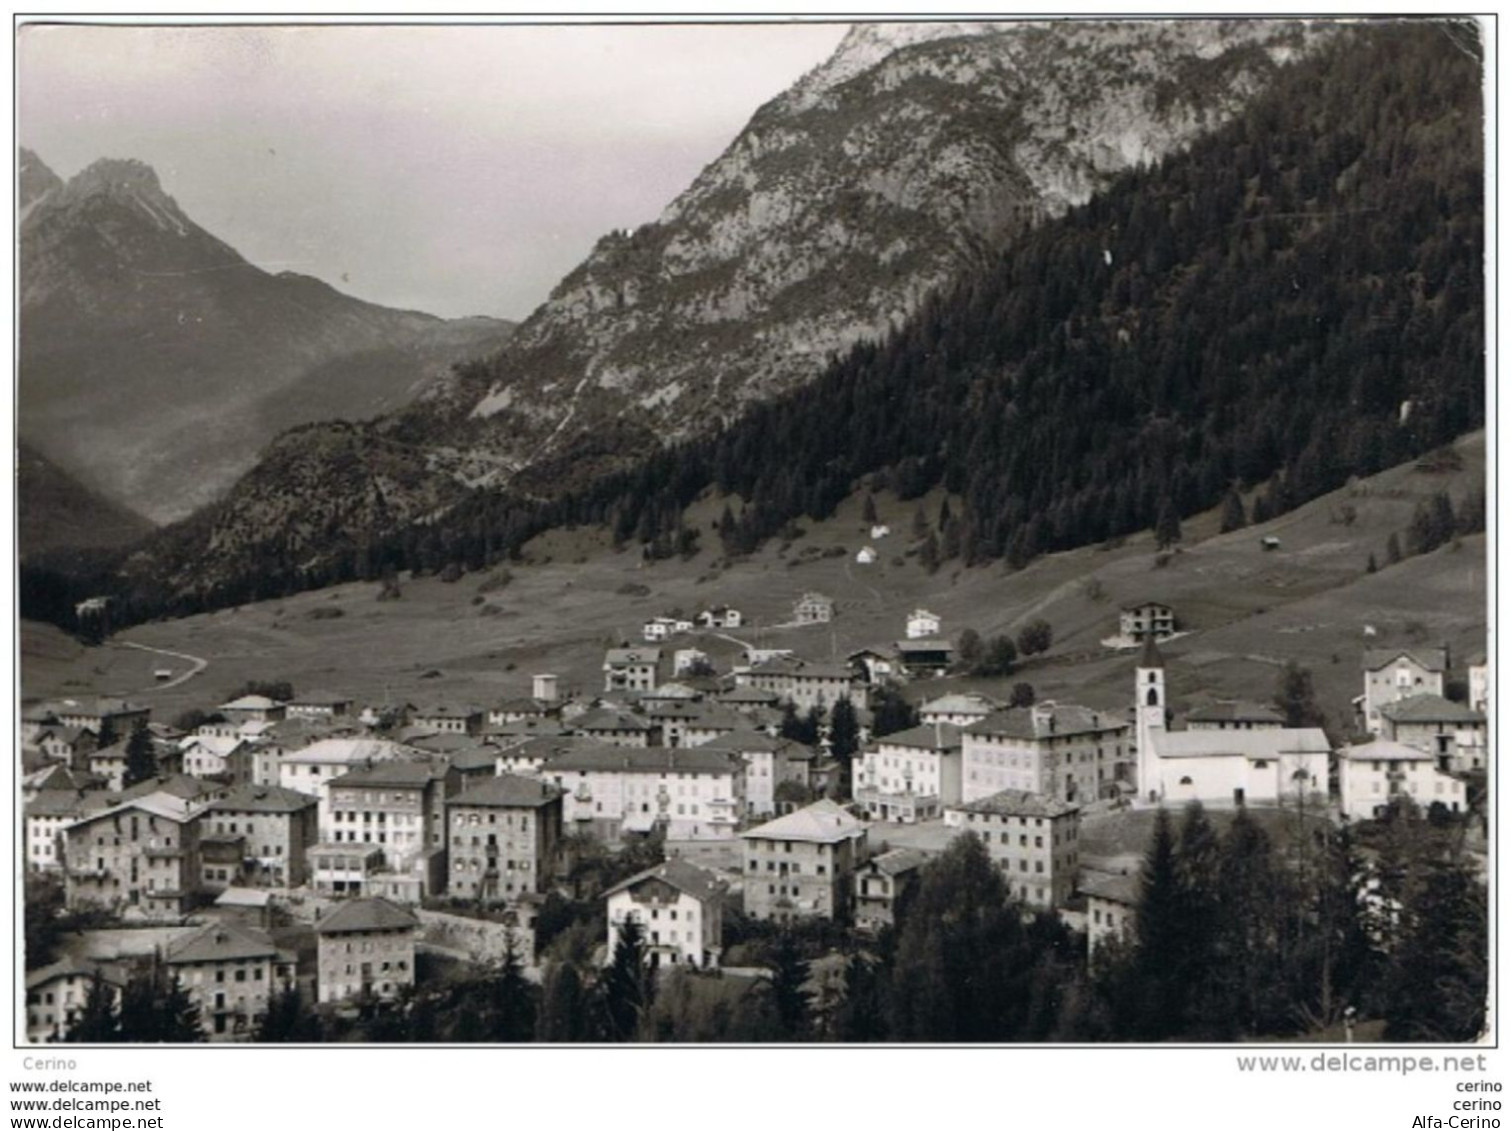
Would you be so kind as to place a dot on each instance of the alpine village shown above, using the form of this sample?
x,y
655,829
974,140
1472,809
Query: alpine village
x,y
1001,559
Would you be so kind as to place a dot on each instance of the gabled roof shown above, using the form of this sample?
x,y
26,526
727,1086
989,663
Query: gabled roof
x,y
507,791
961,703
60,776
926,736
897,861
697,882
159,804
348,751
1110,886
319,699
610,718
104,705
632,656
68,964
604,758
1432,659
68,803
924,644
1135,606
396,774
1045,720
264,799
182,786
745,694
1382,750
222,746
1429,708
1235,711
823,822
221,942
1264,744
1018,803
250,703
374,914
801,669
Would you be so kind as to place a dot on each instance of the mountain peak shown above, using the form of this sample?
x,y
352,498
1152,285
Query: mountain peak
x,y
34,180
131,182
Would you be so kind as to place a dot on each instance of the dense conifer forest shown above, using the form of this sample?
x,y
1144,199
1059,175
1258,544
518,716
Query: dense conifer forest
x,y
1295,300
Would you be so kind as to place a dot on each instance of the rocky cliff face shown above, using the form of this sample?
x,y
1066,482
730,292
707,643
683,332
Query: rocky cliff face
x,y
914,151
156,362
846,200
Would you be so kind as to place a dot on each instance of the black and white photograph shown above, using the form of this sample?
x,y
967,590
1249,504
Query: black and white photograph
x,y
689,531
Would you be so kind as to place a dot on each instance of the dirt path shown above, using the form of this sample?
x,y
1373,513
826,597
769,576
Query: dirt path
x,y
198,665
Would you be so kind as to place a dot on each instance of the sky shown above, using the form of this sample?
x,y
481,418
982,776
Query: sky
x,y
455,170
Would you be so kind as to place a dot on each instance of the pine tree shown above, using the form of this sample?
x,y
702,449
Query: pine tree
x,y
868,511
155,1008
141,759
1392,549
844,739
789,988
1295,697
1167,524
511,1005
98,1022
563,1006
288,1019
1156,999
862,1015
1233,517
968,649
1022,695
1371,566
625,990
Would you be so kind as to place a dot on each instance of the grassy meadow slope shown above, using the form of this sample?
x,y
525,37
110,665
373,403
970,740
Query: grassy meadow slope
x,y
1246,609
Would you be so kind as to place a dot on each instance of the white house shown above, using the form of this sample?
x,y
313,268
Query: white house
x,y
921,622
698,794
1372,776
1217,767
1111,903
910,775
1479,684
1457,735
721,616
866,555
961,708
680,909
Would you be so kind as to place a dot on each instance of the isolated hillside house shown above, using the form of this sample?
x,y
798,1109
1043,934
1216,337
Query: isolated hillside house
x,y
911,775
319,705
631,669
695,793
961,708
1391,674
680,909
879,531
883,884
926,658
921,623
1453,733
1068,753
230,973
813,608
802,865
55,995
1151,618
503,836
279,825
1033,839
866,555
1373,776
1112,901
659,628
720,616
1234,714
140,856
365,948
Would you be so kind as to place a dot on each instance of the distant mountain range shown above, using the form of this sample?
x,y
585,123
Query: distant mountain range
x,y
156,362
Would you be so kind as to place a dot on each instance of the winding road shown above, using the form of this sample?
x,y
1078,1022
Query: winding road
x,y
197,665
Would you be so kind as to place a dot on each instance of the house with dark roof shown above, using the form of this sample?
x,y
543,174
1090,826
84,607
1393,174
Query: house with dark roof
x,y
926,658
452,718
1234,714
1457,735
230,972
680,909
1112,901
55,995
503,835
910,775
1060,750
1397,673
631,669
46,814
365,948
278,827
805,684
618,727
140,856
400,807
1034,839
1148,618
883,885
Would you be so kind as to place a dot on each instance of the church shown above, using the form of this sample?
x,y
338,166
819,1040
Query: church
x,y
1267,765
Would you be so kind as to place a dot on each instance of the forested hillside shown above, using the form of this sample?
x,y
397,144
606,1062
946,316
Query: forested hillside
x,y
1296,299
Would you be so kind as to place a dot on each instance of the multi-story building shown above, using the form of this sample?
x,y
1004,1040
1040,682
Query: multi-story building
x,y
803,865
503,835
142,854
1391,674
99,715
55,995
344,869
1234,714
617,727
961,709
310,768
911,775
47,814
926,658
921,623
1373,776
769,761
1034,839
1457,735
697,793
813,608
720,616
279,827
398,806
631,669
1069,753
1148,619
1479,684
319,705
449,718
224,758
882,886
252,709
680,908
803,683
1111,907
230,972
365,948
